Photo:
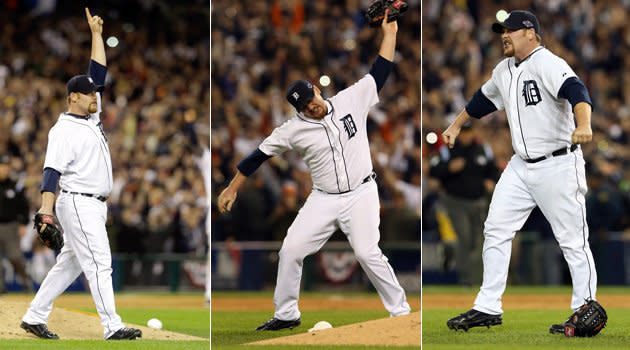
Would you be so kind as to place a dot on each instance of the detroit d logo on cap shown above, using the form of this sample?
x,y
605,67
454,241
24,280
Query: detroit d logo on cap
x,y
296,96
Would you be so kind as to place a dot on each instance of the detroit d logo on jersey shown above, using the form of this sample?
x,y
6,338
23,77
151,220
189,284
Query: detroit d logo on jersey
x,y
349,126
531,93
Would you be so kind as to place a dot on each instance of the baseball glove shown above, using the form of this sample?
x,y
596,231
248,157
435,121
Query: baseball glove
x,y
376,12
588,321
52,235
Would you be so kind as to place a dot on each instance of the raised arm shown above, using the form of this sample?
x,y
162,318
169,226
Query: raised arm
x,y
98,47
384,63
388,45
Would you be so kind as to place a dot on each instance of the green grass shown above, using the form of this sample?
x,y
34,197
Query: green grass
x,y
230,329
522,329
102,344
193,322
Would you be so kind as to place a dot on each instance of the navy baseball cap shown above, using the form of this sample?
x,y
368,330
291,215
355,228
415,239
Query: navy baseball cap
x,y
83,84
300,93
517,19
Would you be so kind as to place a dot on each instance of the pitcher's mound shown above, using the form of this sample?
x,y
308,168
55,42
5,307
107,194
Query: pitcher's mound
x,y
70,324
399,331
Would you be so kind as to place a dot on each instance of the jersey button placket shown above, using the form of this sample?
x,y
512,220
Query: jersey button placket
x,y
339,161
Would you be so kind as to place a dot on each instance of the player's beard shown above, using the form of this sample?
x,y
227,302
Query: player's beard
x,y
317,112
92,108
509,50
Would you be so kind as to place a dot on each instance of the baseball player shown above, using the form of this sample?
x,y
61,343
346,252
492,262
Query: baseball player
x,y
14,209
332,138
78,157
202,157
540,94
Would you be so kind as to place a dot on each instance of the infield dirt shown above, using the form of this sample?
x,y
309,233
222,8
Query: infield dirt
x,y
391,331
69,323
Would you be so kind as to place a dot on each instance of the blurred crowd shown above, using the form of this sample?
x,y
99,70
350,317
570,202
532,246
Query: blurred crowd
x,y
459,53
258,49
158,70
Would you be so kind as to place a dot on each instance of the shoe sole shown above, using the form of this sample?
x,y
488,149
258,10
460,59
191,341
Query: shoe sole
x,y
133,336
487,323
25,327
277,329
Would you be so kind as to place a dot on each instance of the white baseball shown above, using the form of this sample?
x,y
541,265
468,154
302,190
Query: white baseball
x,y
432,138
502,15
154,323
321,325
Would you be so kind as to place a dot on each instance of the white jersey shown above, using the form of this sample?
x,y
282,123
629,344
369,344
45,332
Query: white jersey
x,y
335,148
78,149
540,122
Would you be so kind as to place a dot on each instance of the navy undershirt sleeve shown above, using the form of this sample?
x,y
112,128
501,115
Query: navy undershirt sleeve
x,y
479,105
380,70
49,182
97,72
573,89
249,164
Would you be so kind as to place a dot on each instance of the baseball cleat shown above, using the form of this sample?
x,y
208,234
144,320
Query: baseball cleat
x,y
126,334
473,318
275,324
559,328
39,330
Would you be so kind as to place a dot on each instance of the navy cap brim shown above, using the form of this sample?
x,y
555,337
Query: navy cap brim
x,y
99,88
498,27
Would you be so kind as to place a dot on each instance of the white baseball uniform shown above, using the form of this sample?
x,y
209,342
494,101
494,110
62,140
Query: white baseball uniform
x,y
344,196
203,163
540,124
78,150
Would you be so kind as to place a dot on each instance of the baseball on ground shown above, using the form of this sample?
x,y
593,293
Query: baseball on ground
x,y
154,323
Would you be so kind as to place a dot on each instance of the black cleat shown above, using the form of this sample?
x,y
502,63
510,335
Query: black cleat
x,y
559,328
473,318
126,334
275,324
39,330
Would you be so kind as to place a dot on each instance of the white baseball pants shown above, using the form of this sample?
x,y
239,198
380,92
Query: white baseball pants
x,y
86,249
557,185
356,213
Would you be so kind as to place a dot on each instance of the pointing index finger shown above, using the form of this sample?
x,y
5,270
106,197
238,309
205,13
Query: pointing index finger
x,y
88,15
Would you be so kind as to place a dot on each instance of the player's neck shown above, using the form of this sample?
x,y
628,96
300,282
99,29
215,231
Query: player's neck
x,y
526,53
76,111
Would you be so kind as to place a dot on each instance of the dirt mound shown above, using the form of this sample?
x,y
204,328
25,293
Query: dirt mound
x,y
70,324
397,331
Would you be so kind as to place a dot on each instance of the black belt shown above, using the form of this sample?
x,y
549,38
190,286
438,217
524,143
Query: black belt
x,y
368,178
558,152
100,198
